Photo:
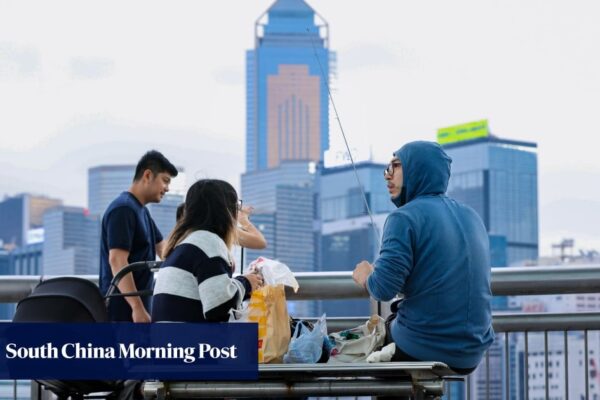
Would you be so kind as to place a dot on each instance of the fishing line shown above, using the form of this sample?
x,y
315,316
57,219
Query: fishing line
x,y
337,117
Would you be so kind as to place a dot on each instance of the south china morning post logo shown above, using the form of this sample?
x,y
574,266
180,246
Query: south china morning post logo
x,y
128,351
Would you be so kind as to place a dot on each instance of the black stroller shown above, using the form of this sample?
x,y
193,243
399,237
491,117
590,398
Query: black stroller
x,y
73,299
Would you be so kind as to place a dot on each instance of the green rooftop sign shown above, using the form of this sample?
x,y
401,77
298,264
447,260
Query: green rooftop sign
x,y
458,133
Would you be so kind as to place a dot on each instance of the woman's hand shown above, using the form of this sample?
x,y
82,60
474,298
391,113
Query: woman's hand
x,y
243,216
256,280
248,235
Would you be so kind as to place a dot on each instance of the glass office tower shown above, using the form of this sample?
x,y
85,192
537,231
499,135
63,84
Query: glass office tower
x,y
498,178
286,94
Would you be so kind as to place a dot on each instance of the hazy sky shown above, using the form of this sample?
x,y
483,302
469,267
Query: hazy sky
x,y
88,83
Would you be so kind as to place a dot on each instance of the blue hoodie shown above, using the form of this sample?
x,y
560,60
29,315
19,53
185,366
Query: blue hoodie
x,y
435,251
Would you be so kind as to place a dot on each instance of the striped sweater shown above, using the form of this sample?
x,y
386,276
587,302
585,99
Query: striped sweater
x,y
194,283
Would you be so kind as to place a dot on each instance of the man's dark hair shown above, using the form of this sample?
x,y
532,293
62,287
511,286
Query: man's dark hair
x,y
155,162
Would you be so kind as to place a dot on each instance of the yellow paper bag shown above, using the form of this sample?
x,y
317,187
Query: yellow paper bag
x,y
268,308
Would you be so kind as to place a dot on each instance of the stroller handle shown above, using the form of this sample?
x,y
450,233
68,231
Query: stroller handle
x,y
140,293
133,267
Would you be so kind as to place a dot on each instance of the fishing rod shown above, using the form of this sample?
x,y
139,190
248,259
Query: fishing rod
x,y
337,117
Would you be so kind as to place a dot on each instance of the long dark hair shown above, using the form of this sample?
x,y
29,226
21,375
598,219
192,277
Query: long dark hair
x,y
210,205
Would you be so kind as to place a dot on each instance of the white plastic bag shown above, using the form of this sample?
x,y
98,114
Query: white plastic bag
x,y
306,346
274,272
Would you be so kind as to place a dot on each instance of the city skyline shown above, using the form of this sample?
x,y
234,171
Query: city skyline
x,y
72,101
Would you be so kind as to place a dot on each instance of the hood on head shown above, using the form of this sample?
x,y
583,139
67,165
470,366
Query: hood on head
x,y
425,170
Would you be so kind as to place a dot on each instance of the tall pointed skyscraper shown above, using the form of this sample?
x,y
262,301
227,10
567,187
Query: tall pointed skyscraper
x,y
286,95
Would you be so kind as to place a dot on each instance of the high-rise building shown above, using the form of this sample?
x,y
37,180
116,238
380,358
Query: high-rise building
x,y
4,261
345,233
72,242
283,199
286,92
106,182
20,214
5,309
287,128
27,260
23,260
498,179
294,242
21,234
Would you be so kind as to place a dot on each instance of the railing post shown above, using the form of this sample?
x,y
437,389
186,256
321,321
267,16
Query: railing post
x,y
566,363
38,392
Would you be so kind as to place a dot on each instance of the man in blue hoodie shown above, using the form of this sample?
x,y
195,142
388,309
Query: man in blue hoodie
x,y
435,252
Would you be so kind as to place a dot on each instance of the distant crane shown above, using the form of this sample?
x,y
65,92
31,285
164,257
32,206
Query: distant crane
x,y
563,245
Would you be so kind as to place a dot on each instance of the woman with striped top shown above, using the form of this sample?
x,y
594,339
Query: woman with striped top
x,y
195,281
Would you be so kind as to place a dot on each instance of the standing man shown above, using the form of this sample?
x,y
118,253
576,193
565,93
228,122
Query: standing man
x,y
129,235
435,252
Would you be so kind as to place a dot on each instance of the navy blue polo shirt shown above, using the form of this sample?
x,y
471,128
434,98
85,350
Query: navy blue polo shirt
x,y
127,225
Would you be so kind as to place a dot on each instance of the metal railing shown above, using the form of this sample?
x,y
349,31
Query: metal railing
x,y
505,282
521,328
512,281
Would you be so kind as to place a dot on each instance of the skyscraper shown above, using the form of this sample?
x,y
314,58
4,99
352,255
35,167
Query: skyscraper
x,y
5,309
72,242
283,199
106,182
23,260
498,179
21,233
4,261
286,93
21,213
27,260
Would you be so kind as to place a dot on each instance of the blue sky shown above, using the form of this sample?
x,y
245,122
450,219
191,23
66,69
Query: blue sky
x,y
88,83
